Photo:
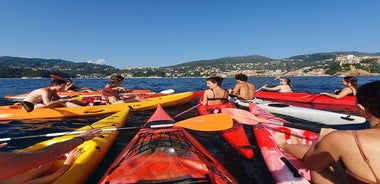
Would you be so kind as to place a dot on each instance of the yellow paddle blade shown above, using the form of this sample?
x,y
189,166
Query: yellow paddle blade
x,y
212,122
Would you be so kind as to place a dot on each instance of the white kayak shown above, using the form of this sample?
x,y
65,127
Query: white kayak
x,y
308,114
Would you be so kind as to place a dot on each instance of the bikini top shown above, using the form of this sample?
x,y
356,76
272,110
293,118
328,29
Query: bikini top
x,y
365,160
349,94
222,99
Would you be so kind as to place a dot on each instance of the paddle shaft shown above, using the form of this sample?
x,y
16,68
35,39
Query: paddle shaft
x,y
212,122
272,80
291,125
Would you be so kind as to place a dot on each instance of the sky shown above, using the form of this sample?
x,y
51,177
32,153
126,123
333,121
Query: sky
x,y
154,33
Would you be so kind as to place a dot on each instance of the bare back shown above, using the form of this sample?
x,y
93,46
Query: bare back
x,y
245,90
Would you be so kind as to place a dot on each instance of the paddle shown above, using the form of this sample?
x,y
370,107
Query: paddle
x,y
272,81
212,122
246,117
165,92
29,107
195,106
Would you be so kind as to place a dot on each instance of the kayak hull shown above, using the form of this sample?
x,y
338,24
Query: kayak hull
x,y
235,136
94,150
283,166
310,100
15,112
308,114
168,155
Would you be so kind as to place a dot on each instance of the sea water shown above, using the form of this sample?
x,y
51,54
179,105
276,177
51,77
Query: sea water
x,y
244,170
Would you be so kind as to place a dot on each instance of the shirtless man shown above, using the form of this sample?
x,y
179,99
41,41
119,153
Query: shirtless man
x,y
243,89
48,97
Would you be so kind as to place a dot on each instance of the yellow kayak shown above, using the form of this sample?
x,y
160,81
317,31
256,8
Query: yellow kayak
x,y
16,112
94,150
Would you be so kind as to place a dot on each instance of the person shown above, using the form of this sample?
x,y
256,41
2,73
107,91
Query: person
x,y
112,92
14,163
350,84
243,89
343,156
284,87
70,87
215,94
48,96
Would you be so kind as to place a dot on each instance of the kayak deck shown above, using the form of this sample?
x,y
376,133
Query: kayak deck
x,y
167,155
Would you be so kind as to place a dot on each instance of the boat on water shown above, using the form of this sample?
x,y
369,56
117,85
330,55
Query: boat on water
x,y
93,94
308,114
284,167
94,150
311,100
236,136
16,112
165,155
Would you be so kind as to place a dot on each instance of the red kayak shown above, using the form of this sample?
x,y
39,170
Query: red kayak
x,y
166,155
236,136
310,100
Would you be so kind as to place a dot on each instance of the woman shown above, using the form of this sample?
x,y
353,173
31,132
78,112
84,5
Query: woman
x,y
350,84
216,94
284,87
112,92
345,156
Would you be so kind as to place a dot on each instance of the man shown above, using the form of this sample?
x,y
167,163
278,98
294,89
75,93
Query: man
x,y
243,89
48,97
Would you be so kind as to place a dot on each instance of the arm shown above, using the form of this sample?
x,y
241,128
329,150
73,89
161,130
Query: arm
x,y
17,162
277,88
341,94
325,152
205,96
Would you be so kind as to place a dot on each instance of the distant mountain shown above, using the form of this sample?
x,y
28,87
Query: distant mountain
x,y
227,60
37,67
308,64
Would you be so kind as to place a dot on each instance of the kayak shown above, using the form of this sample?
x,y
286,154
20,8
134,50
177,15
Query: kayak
x,y
166,155
236,136
311,100
94,150
283,167
85,94
16,112
308,114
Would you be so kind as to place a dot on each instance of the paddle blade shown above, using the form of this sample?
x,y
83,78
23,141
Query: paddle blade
x,y
242,116
168,91
211,122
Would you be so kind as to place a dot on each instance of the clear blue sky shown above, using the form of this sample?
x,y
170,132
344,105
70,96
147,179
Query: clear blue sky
x,y
141,33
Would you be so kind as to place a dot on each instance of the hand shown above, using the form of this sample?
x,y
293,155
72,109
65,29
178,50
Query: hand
x,y
2,145
89,134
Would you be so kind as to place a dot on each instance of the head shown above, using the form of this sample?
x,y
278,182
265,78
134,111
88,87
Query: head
x,y
214,80
241,77
368,98
116,78
285,81
58,82
351,80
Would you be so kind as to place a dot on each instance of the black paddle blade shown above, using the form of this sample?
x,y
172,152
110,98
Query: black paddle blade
x,y
29,107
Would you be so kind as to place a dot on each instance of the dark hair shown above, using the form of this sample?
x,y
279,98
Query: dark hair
x,y
352,80
368,95
287,82
57,82
217,80
241,77
116,77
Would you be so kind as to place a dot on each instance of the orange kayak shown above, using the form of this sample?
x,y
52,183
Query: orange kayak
x,y
16,112
166,155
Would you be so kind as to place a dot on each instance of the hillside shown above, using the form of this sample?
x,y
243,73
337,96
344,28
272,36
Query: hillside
x,y
309,64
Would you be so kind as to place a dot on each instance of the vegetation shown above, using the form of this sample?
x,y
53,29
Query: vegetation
x,y
16,67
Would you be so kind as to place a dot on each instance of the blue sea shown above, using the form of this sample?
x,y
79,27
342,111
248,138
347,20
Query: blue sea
x,y
244,170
